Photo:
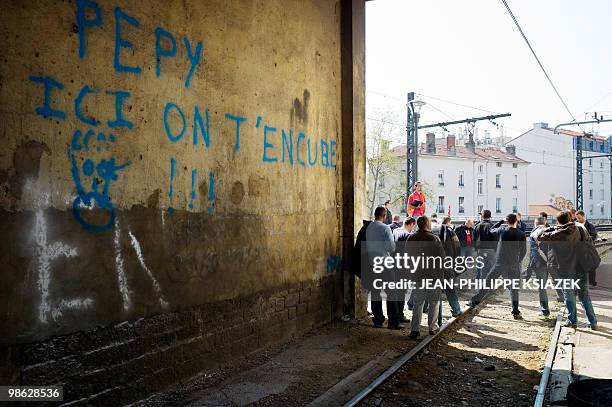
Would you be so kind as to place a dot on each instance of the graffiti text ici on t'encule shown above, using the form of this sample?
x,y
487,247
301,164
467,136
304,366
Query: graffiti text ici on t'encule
x,y
94,176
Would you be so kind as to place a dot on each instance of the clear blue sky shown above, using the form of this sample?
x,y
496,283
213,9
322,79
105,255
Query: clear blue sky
x,y
470,52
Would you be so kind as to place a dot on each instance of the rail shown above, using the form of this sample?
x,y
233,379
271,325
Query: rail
x,y
455,323
552,348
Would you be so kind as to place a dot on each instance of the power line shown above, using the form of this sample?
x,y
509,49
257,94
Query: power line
x,y
440,111
387,96
455,103
430,97
600,100
538,61
386,122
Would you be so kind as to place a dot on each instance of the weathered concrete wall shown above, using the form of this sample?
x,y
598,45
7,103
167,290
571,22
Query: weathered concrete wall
x,y
161,158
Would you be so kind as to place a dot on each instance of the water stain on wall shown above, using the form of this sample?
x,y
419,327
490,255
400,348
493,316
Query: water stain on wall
x,y
259,186
26,164
237,194
299,110
153,199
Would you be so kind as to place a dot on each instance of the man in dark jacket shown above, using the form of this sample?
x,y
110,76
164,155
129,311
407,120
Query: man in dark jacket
x,y
359,256
511,250
397,223
423,243
389,216
485,243
465,233
452,248
521,225
562,243
581,218
545,216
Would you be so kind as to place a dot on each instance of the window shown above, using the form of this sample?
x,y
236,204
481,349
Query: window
x,y
602,178
603,197
461,202
480,181
590,194
498,181
440,204
480,208
601,164
381,181
499,164
603,208
514,165
497,205
591,162
591,177
591,210
480,167
514,204
461,179
441,178
515,185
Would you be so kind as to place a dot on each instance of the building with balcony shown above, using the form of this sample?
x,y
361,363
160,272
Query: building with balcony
x,y
468,178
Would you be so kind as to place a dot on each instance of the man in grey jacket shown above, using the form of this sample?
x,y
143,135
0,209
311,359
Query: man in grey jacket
x,y
380,243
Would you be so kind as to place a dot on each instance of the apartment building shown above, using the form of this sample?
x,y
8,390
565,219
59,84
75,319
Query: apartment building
x,y
552,169
468,178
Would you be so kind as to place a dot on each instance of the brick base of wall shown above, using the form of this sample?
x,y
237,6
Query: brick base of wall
x,y
134,359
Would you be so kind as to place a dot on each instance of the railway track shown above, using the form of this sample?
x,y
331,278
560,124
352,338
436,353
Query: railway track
x,y
452,325
605,227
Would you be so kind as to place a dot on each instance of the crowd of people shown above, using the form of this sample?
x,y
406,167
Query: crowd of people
x,y
562,251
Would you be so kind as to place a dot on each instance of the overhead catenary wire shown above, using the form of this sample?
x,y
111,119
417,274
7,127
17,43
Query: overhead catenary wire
x,y
518,26
429,104
422,95
452,115
456,104
440,111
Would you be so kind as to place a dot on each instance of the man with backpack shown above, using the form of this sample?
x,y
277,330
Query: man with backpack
x,y
572,255
537,265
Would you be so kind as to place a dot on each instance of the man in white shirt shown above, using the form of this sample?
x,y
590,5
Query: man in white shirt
x,y
402,233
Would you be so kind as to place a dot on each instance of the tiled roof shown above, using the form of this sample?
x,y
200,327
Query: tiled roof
x,y
497,154
535,209
576,133
490,153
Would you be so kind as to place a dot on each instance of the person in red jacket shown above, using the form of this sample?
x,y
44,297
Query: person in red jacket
x,y
416,201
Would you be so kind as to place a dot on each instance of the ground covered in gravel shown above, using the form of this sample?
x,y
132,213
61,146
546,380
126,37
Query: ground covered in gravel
x,y
491,360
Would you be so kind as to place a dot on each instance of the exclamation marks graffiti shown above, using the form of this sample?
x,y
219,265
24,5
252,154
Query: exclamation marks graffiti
x,y
194,175
192,194
211,193
171,190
